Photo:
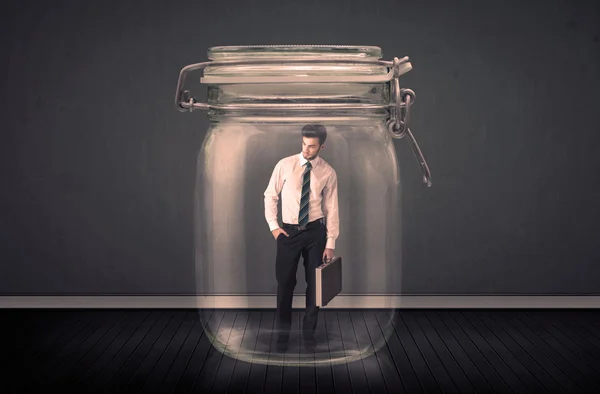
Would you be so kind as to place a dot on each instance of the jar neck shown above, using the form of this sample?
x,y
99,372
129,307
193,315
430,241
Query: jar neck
x,y
288,95
298,114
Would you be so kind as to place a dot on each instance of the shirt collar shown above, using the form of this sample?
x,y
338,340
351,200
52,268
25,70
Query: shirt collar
x,y
313,162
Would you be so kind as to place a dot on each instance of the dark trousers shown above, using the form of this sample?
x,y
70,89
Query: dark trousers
x,y
310,243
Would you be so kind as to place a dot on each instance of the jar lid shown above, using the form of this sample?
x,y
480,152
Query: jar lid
x,y
299,64
293,51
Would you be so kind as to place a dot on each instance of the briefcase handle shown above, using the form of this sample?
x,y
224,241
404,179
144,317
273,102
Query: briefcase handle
x,y
331,261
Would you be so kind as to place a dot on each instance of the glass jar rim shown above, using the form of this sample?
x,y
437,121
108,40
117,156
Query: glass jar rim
x,y
300,63
239,52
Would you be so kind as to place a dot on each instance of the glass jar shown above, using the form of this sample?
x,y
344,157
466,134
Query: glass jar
x,y
258,100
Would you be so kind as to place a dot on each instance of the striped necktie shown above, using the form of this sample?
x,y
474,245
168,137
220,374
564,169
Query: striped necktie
x,y
303,215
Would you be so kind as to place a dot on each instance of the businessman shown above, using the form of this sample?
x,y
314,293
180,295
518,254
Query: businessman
x,y
309,201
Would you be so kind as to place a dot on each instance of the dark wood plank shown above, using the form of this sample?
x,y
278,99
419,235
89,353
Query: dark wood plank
x,y
389,373
341,376
356,369
274,372
183,357
504,351
580,334
35,329
577,319
417,322
173,348
417,360
135,359
66,349
510,377
290,375
40,359
214,357
371,364
104,377
545,348
43,334
587,315
591,329
589,349
85,380
225,370
568,352
478,358
439,371
198,359
458,353
136,380
241,369
84,372
323,372
555,369
80,359
535,364
400,358
33,326
258,372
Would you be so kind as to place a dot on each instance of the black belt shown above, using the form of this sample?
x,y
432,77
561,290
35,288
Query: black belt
x,y
298,227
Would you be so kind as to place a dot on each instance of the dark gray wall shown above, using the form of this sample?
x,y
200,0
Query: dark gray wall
x,y
97,168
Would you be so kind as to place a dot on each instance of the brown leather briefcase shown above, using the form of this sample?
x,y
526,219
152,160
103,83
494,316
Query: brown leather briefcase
x,y
328,281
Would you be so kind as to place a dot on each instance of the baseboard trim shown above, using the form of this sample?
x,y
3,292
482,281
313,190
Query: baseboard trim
x,y
269,301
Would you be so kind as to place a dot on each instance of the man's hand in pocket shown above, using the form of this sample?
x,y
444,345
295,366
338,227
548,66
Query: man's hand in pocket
x,y
278,231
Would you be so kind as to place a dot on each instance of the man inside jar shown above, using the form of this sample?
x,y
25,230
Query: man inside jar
x,y
309,199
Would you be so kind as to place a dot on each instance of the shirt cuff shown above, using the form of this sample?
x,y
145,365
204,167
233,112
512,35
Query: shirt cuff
x,y
273,225
330,243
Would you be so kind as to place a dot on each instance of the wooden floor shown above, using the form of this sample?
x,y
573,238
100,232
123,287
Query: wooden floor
x,y
429,351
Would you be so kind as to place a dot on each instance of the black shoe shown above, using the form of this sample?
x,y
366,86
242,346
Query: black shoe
x,y
282,341
310,342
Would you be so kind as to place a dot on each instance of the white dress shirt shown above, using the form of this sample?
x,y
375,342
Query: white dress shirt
x,y
323,203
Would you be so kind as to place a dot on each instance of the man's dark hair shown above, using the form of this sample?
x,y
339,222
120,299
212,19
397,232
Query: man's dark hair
x,y
315,130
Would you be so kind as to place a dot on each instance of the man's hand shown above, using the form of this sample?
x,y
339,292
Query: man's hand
x,y
278,231
328,255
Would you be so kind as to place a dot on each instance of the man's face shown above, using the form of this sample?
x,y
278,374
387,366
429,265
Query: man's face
x,y
311,147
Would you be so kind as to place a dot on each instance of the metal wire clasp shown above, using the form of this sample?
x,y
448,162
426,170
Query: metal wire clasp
x,y
399,108
397,124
